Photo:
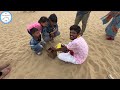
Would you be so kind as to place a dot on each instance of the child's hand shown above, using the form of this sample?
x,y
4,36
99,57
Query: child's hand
x,y
53,48
62,45
52,34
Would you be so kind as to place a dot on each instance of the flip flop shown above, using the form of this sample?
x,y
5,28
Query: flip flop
x,y
5,71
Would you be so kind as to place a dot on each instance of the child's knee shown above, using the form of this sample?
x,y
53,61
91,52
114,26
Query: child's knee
x,y
58,33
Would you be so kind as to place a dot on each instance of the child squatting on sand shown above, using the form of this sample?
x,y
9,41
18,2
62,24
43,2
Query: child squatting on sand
x,y
36,43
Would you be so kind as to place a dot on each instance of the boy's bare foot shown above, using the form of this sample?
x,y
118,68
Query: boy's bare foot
x,y
5,71
4,66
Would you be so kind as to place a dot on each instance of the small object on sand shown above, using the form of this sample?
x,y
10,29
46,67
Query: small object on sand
x,y
110,76
58,45
51,53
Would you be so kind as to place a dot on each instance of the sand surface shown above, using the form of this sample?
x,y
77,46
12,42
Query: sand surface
x,y
103,58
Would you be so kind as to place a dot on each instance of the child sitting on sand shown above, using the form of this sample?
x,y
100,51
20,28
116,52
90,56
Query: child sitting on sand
x,y
41,23
76,51
36,43
51,31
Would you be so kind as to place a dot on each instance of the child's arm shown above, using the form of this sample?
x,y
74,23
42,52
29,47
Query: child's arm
x,y
55,29
44,30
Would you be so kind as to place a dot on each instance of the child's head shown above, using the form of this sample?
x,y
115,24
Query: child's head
x,y
35,32
53,19
74,31
43,21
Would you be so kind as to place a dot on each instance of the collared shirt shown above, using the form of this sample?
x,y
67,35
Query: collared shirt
x,y
79,48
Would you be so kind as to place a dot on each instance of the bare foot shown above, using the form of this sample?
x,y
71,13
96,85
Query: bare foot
x,y
5,71
4,66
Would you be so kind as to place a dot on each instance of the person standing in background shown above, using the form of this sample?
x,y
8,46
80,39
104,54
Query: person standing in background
x,y
82,15
113,27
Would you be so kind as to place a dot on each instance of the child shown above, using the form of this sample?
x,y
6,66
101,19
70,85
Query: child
x,y
51,31
76,51
36,43
42,22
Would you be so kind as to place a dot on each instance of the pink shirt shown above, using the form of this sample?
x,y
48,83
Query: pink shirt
x,y
80,49
35,25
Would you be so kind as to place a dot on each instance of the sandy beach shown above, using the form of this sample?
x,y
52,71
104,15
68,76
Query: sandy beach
x,y
103,58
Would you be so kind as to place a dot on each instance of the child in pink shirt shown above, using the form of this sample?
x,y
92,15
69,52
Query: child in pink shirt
x,y
76,51
42,22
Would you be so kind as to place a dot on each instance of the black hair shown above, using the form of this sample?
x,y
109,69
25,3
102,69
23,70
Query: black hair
x,y
43,19
75,28
53,18
33,30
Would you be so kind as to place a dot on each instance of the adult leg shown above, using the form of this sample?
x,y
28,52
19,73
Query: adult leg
x,y
84,21
110,33
78,19
67,57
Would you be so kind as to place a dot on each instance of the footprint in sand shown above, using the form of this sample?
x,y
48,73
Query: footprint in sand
x,y
107,64
94,65
117,60
105,61
102,50
91,49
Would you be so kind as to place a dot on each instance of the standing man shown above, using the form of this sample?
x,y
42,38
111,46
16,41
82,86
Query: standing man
x,y
82,15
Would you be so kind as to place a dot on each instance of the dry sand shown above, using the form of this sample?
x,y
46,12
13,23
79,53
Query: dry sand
x,y
103,59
